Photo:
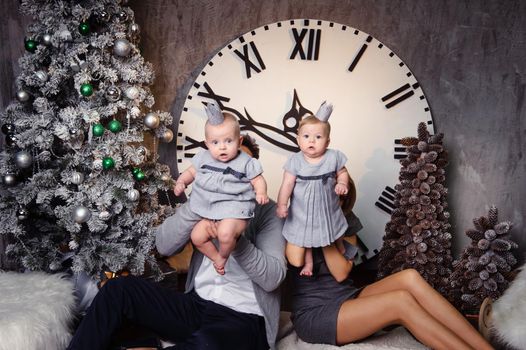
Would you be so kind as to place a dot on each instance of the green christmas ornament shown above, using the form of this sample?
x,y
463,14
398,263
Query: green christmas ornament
x,y
114,126
86,89
84,28
135,170
30,45
108,163
98,130
139,175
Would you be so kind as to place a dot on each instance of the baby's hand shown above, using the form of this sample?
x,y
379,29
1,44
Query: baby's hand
x,y
262,198
282,211
340,189
179,188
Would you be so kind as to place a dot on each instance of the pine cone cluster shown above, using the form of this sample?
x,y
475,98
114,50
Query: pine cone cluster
x,y
483,267
417,235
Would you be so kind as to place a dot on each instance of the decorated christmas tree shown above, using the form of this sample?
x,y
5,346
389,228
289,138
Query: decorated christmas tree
x,y
483,269
417,235
79,172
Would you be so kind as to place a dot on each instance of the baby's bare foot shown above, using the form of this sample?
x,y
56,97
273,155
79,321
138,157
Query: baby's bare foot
x,y
306,270
219,265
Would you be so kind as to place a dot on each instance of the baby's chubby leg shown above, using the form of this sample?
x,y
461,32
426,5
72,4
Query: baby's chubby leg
x,y
203,241
228,231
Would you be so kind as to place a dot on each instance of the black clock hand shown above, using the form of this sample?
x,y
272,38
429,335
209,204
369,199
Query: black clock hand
x,y
249,124
292,118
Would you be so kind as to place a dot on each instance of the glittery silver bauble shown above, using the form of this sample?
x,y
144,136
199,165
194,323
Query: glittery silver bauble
x,y
81,214
22,96
167,136
23,159
9,179
103,15
104,215
46,39
132,92
42,76
22,214
133,195
97,165
134,30
122,16
113,93
121,47
151,120
77,178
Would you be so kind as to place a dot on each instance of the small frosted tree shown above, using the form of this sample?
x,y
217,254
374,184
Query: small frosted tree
x,y
483,267
417,236
77,177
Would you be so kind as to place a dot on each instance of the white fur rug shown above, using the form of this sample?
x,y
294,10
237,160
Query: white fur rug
x,y
397,339
508,316
36,310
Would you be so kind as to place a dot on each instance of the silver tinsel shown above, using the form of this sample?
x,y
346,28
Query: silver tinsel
x,y
22,96
81,214
167,136
23,159
121,47
151,120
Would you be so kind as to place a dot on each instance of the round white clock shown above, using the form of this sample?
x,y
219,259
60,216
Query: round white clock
x,y
272,76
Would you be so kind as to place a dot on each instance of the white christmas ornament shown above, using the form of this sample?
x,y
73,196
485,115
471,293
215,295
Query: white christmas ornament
x,y
81,214
151,120
23,159
121,47
132,92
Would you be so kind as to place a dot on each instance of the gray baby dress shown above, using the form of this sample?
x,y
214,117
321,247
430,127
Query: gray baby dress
x,y
223,190
315,218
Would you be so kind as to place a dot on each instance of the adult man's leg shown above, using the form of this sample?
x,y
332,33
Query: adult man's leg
x,y
172,315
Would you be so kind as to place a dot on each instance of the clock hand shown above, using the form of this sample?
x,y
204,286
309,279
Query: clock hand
x,y
292,118
247,123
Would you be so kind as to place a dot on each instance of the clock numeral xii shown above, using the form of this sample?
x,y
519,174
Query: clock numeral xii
x,y
313,44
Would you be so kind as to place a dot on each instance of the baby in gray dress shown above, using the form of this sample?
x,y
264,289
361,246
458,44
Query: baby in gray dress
x,y
226,185
313,180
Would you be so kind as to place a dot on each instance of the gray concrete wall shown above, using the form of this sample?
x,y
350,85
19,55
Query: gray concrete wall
x,y
469,57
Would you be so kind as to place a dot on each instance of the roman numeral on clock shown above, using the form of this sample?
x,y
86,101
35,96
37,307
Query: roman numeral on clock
x,y
400,151
249,65
213,96
192,145
386,200
401,94
359,54
312,45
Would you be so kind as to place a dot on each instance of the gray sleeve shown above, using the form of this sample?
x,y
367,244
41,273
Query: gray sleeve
x,y
264,261
173,234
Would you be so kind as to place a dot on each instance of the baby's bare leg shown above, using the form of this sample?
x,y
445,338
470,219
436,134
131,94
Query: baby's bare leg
x,y
309,263
228,231
203,241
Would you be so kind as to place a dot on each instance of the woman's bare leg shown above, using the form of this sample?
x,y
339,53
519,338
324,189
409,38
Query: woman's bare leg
x,y
432,302
358,318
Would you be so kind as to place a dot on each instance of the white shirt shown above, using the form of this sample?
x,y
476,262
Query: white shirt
x,y
234,289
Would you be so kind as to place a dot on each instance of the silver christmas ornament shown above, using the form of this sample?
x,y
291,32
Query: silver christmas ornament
x,y
167,136
22,214
113,93
132,92
151,120
22,96
122,16
46,39
134,30
23,159
142,151
77,178
121,47
104,15
9,179
81,214
104,215
42,76
133,195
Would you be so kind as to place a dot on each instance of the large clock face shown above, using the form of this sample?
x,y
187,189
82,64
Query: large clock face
x,y
272,76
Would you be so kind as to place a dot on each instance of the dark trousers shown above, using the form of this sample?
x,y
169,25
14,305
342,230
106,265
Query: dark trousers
x,y
184,319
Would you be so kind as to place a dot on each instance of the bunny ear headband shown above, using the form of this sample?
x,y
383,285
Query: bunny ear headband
x,y
214,114
324,112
